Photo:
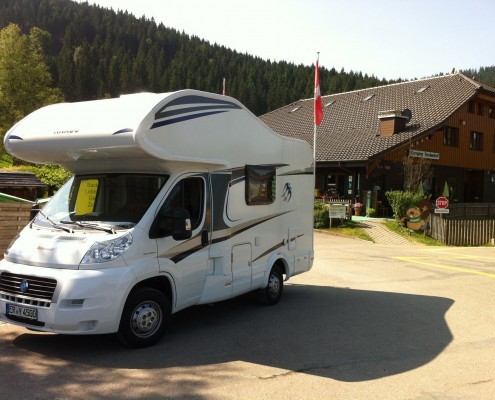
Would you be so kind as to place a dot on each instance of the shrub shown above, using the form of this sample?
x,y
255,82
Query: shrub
x,y
321,218
371,212
400,201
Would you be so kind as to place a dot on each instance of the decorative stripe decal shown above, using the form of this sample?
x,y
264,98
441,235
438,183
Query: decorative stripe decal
x,y
125,130
187,100
180,111
307,171
191,107
272,249
243,228
179,257
185,118
191,246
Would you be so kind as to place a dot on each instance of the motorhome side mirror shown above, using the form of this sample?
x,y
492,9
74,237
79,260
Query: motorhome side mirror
x,y
175,223
181,222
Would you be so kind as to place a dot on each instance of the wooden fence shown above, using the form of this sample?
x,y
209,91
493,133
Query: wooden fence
x,y
466,224
13,217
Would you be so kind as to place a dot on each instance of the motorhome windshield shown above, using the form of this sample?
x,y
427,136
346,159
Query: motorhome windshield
x,y
96,201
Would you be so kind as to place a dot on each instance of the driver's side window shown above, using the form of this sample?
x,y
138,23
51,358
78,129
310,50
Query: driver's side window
x,y
188,194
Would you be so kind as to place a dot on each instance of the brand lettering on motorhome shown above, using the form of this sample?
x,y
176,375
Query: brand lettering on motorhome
x,y
66,132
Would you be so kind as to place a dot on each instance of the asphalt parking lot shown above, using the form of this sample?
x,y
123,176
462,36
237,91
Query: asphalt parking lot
x,y
368,322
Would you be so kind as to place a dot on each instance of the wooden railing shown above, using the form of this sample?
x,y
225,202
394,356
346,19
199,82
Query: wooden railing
x,y
13,217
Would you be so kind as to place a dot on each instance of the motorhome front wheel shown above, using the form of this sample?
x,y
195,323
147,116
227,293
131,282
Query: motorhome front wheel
x,y
145,317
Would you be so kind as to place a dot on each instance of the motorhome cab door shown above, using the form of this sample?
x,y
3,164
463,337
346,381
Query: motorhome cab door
x,y
187,260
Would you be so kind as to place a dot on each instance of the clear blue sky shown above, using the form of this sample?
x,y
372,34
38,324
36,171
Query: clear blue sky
x,y
386,38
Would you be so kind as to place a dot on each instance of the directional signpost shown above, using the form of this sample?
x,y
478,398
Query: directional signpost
x,y
442,204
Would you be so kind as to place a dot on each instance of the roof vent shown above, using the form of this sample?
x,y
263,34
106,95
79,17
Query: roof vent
x,y
393,121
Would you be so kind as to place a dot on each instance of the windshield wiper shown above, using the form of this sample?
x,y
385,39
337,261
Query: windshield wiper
x,y
53,224
89,225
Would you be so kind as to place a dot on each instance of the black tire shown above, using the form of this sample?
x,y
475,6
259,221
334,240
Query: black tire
x,y
273,291
145,317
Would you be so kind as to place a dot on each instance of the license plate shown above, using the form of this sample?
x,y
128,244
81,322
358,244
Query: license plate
x,y
22,312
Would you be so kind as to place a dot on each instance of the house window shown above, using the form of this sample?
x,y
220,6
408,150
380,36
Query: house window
x,y
260,185
451,136
481,109
491,111
476,141
471,106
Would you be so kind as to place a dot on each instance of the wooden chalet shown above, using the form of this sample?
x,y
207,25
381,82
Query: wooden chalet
x,y
368,136
21,184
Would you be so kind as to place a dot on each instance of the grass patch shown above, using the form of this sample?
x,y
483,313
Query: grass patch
x,y
418,237
350,228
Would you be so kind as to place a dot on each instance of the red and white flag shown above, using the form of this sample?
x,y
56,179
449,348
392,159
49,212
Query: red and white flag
x,y
318,105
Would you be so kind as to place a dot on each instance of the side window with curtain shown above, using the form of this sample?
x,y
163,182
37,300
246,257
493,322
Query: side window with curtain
x,y
260,185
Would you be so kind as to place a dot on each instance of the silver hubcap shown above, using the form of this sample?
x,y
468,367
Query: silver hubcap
x,y
146,319
274,285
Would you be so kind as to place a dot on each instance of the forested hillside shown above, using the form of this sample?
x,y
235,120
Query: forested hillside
x,y
483,74
95,52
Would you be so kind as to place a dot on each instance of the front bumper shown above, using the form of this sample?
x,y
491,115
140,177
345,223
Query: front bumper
x,y
83,302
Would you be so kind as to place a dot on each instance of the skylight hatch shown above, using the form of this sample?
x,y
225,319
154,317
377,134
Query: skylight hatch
x,y
423,89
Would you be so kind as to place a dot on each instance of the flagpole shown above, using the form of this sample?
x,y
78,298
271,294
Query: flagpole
x,y
315,125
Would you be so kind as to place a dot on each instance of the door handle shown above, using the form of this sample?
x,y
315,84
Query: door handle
x,y
204,238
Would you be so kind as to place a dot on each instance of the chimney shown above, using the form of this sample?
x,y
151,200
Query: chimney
x,y
393,121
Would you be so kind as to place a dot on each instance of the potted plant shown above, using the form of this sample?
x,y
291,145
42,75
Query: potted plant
x,y
357,208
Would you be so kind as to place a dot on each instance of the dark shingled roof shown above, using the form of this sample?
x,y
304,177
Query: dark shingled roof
x,y
14,179
350,127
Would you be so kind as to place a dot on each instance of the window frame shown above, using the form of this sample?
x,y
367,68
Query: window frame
x,y
481,109
471,108
476,141
451,136
180,195
257,176
491,111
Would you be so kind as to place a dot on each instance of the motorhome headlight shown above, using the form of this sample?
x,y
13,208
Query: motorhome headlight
x,y
108,250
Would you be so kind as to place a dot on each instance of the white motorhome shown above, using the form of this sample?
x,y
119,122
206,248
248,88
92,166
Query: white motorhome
x,y
177,199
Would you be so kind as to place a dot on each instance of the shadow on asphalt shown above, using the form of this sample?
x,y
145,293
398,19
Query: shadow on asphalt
x,y
343,334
